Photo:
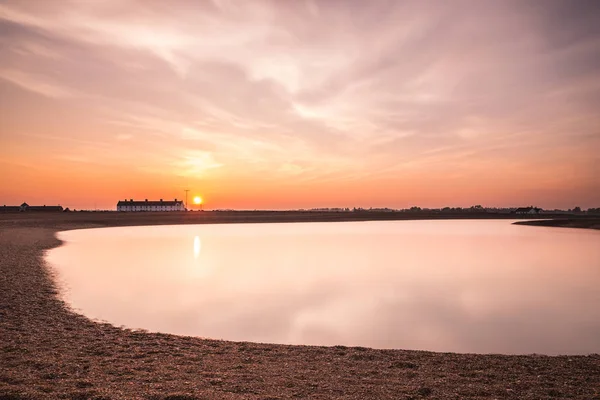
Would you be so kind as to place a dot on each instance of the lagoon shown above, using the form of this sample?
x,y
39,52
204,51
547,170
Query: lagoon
x,y
482,286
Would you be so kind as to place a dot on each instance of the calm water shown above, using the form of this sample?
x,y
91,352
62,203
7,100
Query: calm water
x,y
464,286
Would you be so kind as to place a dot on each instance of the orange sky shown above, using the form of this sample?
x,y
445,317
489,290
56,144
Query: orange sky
x,y
276,105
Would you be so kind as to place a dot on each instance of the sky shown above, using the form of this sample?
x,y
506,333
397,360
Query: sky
x,y
301,104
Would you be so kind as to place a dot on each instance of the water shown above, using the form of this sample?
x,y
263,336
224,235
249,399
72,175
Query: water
x,y
463,286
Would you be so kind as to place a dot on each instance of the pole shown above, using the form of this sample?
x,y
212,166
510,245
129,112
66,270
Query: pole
x,y
186,197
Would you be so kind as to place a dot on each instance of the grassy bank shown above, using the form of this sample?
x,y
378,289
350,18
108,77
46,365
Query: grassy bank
x,y
47,351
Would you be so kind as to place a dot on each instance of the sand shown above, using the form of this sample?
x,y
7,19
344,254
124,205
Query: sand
x,y
49,352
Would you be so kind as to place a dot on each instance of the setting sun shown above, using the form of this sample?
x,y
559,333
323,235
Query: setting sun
x,y
197,200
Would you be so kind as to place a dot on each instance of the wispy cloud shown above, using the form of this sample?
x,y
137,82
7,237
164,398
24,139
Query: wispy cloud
x,y
36,84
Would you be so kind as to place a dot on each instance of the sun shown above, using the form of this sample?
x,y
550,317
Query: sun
x,y
197,200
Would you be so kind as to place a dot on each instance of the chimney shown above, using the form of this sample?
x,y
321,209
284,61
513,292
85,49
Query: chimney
x,y
146,200
131,200
161,200
175,199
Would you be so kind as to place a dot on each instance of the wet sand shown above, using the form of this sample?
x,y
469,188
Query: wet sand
x,y
47,351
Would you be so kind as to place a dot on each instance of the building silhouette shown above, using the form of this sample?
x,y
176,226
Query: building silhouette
x,y
161,205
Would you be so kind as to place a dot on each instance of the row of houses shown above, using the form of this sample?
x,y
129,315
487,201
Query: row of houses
x,y
123,205
161,205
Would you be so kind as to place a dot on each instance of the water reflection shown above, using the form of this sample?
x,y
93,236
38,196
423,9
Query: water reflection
x,y
467,286
197,246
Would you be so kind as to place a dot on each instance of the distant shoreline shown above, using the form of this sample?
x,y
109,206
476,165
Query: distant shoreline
x,y
48,351
590,222
113,218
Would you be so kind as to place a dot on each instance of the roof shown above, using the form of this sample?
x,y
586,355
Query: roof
x,y
149,203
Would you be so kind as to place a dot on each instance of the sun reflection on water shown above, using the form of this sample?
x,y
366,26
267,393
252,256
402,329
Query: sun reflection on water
x,y
197,246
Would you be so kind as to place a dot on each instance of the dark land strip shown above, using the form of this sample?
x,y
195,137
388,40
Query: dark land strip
x,y
49,352
587,223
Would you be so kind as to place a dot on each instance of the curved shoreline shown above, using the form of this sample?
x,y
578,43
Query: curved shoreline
x,y
51,352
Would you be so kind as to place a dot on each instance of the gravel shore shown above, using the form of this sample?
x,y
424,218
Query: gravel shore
x,y
49,352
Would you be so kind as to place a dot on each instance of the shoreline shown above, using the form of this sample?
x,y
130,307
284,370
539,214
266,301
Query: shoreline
x,y
52,352
81,219
580,223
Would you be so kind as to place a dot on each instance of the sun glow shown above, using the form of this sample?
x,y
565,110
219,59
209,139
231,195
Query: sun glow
x,y
197,200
